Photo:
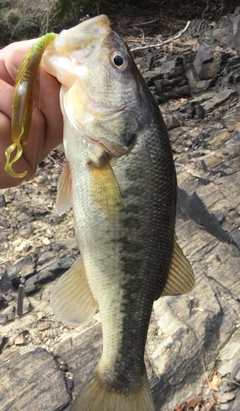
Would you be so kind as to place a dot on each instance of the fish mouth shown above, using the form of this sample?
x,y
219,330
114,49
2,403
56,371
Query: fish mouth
x,y
83,35
73,49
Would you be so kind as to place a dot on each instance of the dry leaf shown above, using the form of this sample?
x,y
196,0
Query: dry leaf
x,y
215,382
43,326
21,338
188,403
192,402
224,397
210,404
180,407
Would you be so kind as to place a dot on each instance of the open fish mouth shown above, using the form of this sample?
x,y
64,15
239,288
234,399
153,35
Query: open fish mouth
x,y
72,49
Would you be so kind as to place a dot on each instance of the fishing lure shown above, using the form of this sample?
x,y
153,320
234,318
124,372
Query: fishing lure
x,y
23,100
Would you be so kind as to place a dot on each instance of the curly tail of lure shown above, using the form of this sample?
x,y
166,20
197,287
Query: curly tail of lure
x,y
22,102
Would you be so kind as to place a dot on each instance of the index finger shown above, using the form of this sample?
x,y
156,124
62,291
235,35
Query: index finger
x,y
8,69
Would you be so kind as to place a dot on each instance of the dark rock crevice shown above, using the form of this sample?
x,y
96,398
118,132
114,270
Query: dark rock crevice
x,y
194,208
67,374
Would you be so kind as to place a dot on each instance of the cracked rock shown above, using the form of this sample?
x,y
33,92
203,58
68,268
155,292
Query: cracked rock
x,y
32,387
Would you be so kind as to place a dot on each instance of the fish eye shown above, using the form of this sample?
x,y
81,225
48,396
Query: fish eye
x,y
120,60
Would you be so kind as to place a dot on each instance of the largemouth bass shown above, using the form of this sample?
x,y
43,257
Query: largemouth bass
x,y
120,180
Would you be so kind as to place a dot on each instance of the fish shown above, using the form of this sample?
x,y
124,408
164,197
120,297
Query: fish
x,y
120,180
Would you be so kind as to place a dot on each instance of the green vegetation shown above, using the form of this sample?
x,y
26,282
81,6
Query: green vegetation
x,y
21,19
69,12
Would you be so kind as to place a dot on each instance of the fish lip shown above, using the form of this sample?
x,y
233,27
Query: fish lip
x,y
101,23
85,33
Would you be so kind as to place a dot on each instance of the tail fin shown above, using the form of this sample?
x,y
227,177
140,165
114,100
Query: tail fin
x,y
96,397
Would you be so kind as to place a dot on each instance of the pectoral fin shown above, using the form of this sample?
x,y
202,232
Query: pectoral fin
x,y
105,190
72,301
64,194
180,277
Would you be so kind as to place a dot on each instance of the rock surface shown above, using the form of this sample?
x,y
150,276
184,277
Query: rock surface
x,y
193,348
32,381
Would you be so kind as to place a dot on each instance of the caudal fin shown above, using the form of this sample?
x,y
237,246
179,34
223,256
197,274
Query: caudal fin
x,y
95,397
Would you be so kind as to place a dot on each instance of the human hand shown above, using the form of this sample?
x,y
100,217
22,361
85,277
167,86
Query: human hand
x,y
47,124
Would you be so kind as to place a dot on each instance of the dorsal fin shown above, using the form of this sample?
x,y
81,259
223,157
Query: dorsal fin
x,y
72,301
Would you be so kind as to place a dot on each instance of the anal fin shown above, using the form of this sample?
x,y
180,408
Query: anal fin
x,y
72,301
180,276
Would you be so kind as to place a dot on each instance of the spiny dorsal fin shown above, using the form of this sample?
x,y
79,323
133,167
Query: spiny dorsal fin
x,y
72,301
105,190
64,193
180,277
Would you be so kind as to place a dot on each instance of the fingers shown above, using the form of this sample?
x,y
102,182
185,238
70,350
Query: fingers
x,y
4,74
32,152
6,93
5,127
5,179
10,58
6,99
14,54
47,125
49,105
45,95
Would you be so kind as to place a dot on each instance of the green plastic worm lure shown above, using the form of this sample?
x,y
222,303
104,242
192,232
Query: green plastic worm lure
x,y
22,101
